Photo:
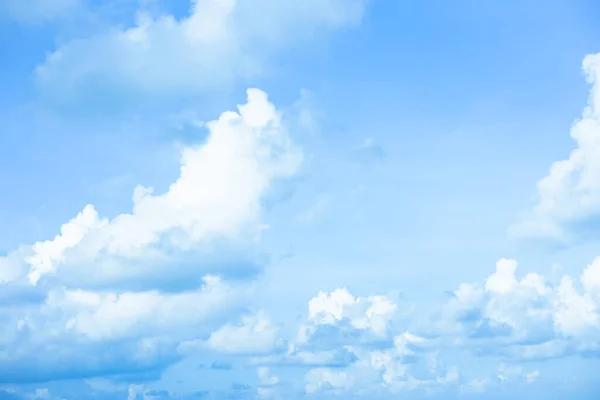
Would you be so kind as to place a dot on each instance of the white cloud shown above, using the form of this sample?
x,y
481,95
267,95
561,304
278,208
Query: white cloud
x,y
265,377
503,280
217,194
255,335
42,394
324,379
218,41
104,316
532,376
525,319
412,363
372,313
508,373
13,266
93,333
570,194
47,253
343,357
575,313
591,277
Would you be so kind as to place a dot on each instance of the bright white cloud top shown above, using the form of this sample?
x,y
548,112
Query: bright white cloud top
x,y
217,194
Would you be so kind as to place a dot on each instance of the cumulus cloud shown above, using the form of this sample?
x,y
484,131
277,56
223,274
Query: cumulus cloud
x,y
569,196
505,316
343,359
217,42
516,372
217,196
340,316
255,335
528,318
345,343
141,329
339,344
266,378
102,316
334,322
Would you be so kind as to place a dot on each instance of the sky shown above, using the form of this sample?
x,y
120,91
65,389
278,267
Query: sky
x,y
316,199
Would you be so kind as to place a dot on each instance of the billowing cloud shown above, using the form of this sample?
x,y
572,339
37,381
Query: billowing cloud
x,y
216,198
218,41
505,317
529,318
217,195
254,335
105,316
339,316
568,198
513,319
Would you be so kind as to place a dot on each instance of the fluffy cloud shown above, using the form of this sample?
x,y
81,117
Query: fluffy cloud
x,y
322,378
508,372
505,317
346,344
216,197
528,318
515,319
569,196
351,348
102,316
340,316
218,41
335,321
255,335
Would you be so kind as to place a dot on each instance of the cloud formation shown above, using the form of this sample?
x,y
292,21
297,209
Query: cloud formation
x,y
568,198
121,305
217,197
219,41
346,345
526,319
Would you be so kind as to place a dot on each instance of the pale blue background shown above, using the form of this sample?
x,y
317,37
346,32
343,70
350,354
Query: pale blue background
x,y
469,102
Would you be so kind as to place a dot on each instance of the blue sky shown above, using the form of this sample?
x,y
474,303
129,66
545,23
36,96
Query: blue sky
x,y
357,199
